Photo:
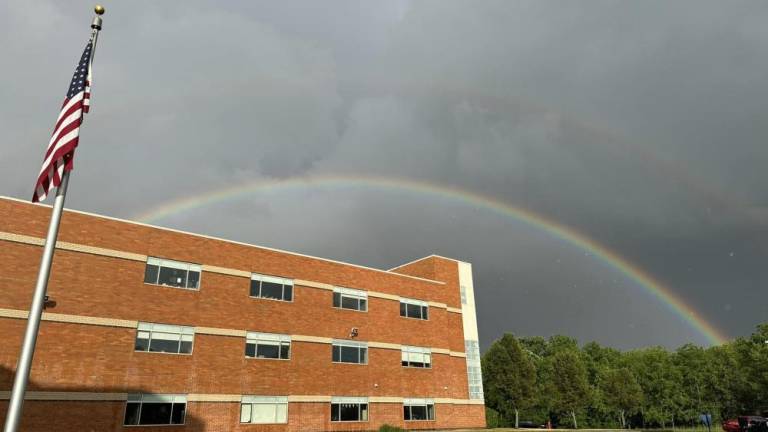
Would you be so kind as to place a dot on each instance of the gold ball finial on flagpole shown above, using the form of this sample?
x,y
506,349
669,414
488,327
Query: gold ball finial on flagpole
x,y
96,24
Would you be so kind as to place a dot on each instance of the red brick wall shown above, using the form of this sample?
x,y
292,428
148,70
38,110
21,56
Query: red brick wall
x,y
39,416
437,268
84,284
70,416
76,357
424,267
32,220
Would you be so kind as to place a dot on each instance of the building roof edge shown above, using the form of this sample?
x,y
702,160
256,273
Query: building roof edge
x,y
427,257
223,240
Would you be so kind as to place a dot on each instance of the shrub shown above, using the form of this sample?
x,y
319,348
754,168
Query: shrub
x,y
493,418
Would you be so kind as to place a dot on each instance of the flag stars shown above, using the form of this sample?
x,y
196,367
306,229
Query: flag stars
x,y
78,82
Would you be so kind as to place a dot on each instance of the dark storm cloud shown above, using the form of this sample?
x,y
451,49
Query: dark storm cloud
x,y
639,124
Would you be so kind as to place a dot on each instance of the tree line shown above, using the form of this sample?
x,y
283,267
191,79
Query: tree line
x,y
555,380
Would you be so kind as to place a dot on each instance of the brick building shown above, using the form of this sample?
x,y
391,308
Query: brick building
x,y
153,326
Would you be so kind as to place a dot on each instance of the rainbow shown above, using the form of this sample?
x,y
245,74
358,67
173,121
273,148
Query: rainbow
x,y
557,230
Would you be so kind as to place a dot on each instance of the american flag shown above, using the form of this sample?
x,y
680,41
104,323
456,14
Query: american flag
x,y
66,133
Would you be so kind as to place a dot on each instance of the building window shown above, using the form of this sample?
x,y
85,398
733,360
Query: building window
x,y
416,357
475,381
347,298
164,338
270,287
264,409
155,409
267,346
172,273
414,309
350,352
418,409
349,409
463,295
474,370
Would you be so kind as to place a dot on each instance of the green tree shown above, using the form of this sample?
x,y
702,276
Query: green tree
x,y
599,360
726,382
621,391
691,361
509,377
541,407
558,343
661,382
536,345
569,382
752,358
652,385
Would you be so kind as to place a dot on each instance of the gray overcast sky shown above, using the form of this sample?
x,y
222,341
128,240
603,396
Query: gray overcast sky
x,y
640,124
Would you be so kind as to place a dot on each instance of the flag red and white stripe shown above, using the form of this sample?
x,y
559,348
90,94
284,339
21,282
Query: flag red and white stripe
x,y
66,134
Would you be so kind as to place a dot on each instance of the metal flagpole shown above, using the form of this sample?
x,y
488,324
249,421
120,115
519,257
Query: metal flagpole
x,y
20,381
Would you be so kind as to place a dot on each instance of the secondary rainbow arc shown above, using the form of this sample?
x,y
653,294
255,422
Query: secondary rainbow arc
x,y
557,230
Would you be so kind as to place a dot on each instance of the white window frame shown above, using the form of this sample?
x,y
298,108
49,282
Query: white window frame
x,y
350,344
274,279
412,352
408,403
178,265
350,293
359,401
273,339
276,401
147,398
185,334
420,303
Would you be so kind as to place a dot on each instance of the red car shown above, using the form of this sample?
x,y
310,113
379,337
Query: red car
x,y
731,425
